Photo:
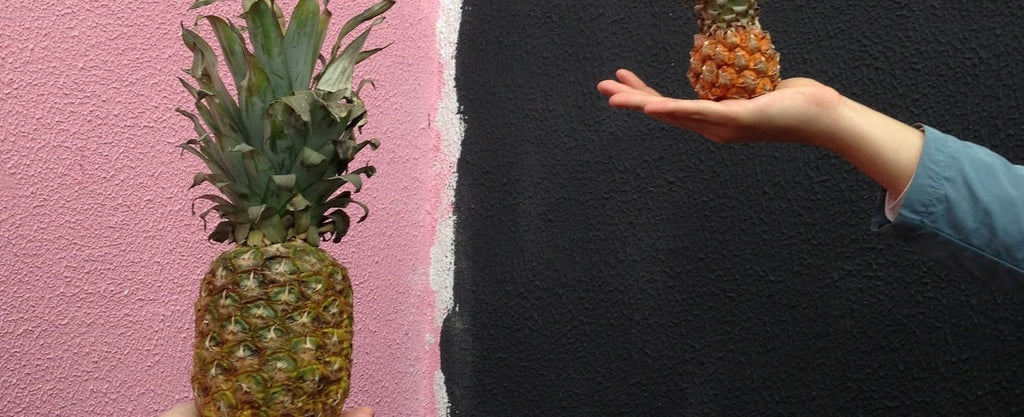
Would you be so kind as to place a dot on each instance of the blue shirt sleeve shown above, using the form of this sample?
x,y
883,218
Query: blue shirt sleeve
x,y
964,207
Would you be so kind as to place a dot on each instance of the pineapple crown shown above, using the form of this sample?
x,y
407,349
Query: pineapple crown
x,y
726,13
279,149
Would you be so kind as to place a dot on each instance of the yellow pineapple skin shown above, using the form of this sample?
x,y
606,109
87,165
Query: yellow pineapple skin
x,y
273,334
735,62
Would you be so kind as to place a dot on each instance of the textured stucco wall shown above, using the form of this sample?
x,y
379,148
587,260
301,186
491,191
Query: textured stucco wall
x,y
609,265
99,257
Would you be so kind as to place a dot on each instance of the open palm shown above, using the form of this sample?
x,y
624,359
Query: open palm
x,y
788,114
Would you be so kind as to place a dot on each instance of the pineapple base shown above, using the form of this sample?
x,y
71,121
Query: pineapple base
x,y
733,63
273,334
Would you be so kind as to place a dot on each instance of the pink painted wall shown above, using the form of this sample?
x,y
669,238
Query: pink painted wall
x,y
100,258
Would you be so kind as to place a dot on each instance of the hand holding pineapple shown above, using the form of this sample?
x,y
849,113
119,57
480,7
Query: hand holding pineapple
x,y
800,111
791,114
734,69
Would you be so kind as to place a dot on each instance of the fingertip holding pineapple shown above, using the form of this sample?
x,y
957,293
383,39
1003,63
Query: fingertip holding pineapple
x,y
732,57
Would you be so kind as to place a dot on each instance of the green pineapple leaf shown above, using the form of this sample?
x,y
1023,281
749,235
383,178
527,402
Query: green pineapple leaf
x,y
201,3
267,40
232,44
278,146
192,91
254,238
214,198
222,233
368,171
311,158
240,231
204,70
286,182
302,42
254,94
300,104
337,76
202,177
353,179
190,147
338,225
258,169
303,225
273,228
369,14
224,211
256,213
363,55
298,203
342,200
243,148
202,147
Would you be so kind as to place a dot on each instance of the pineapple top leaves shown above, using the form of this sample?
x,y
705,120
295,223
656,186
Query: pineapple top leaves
x,y
726,13
279,150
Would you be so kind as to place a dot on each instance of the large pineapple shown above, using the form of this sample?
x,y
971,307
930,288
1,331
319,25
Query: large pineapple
x,y
273,329
731,56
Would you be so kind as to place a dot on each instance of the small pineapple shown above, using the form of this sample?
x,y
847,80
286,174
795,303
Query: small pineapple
x,y
732,58
273,329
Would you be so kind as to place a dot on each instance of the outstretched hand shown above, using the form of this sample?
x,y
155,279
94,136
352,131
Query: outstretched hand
x,y
188,409
796,111
799,110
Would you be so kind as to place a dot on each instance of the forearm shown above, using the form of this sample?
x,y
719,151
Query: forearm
x,y
883,148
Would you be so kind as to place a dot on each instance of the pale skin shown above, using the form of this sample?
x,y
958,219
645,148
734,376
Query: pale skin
x,y
800,110
188,409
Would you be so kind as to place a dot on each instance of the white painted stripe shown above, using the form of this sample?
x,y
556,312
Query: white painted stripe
x,y
452,128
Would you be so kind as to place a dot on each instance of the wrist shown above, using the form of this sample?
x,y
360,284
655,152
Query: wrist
x,y
833,113
883,148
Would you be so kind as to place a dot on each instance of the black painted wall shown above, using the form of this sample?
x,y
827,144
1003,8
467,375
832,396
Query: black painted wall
x,y
608,265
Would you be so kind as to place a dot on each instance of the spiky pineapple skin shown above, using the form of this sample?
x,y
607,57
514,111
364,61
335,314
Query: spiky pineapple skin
x,y
732,57
273,333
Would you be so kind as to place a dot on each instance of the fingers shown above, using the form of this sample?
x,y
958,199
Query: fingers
x,y
711,119
728,112
627,82
630,79
680,109
634,101
718,121
358,412
611,87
